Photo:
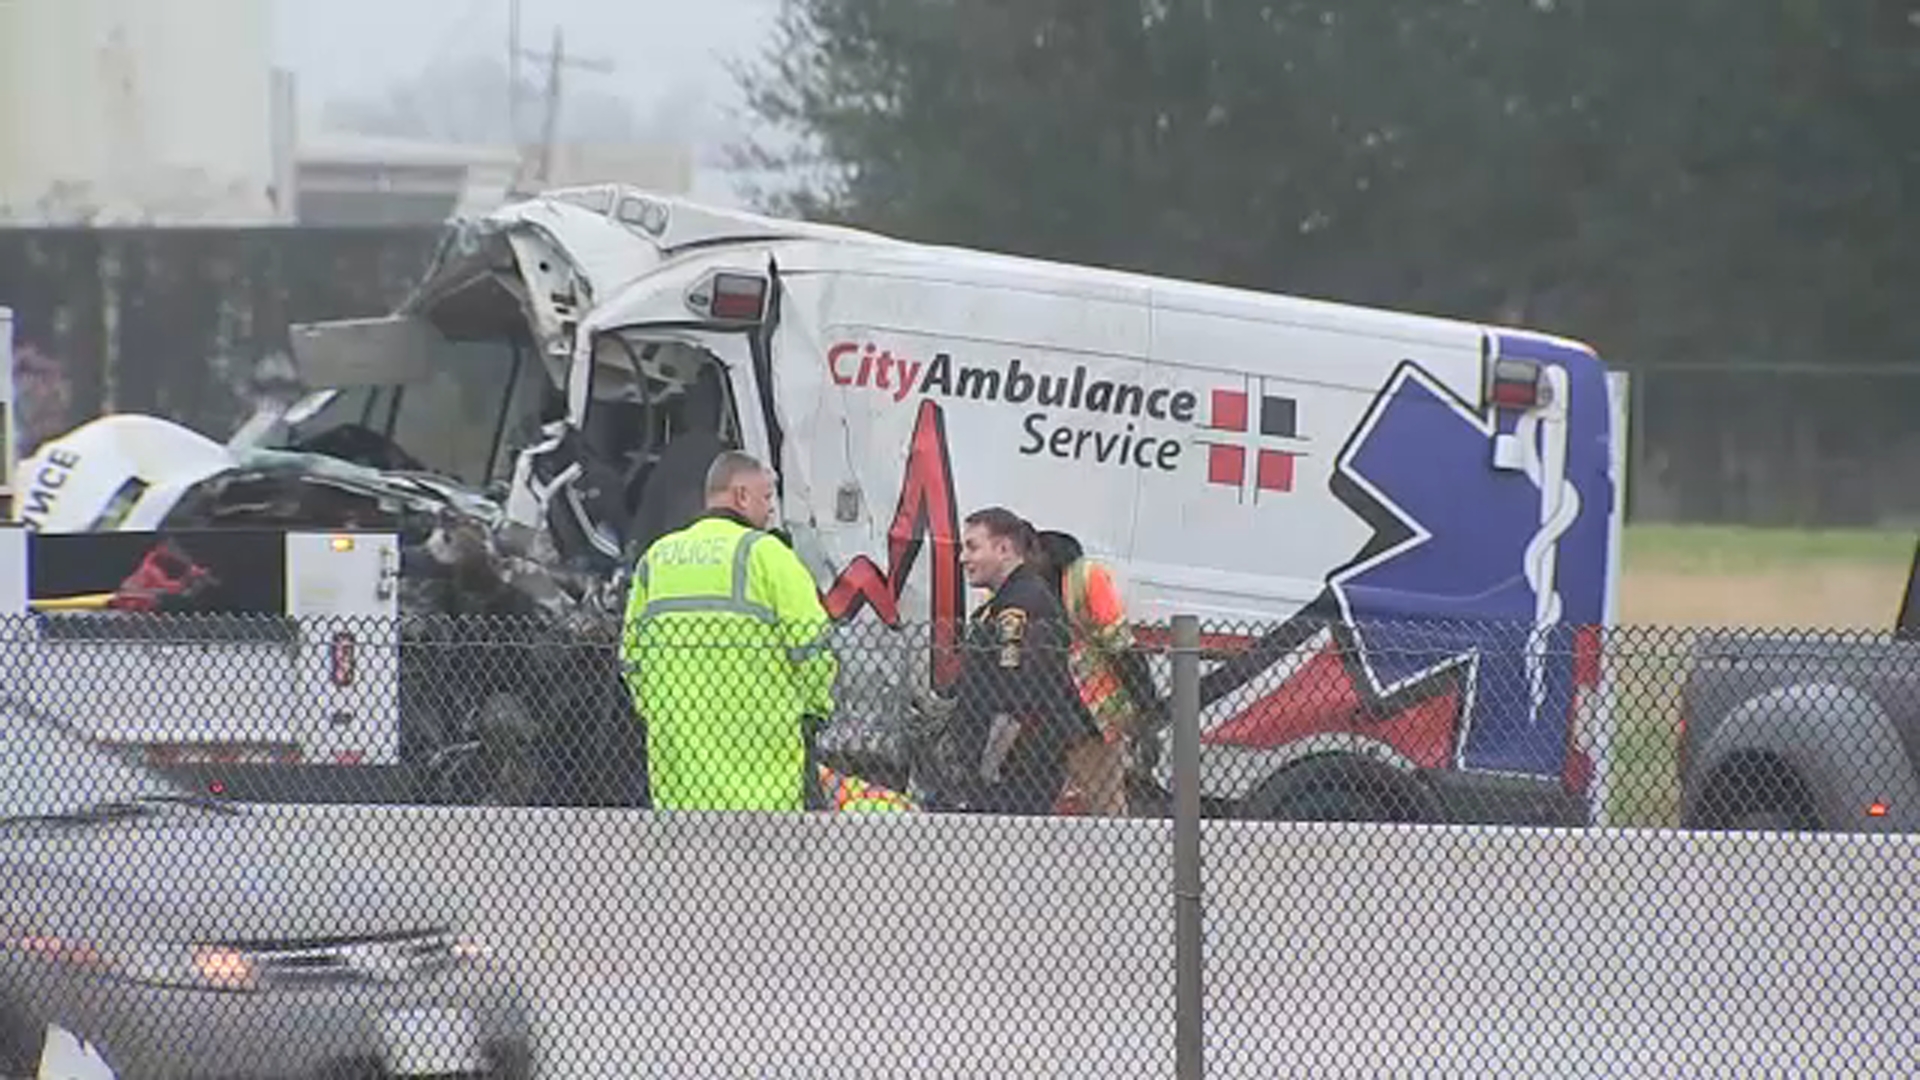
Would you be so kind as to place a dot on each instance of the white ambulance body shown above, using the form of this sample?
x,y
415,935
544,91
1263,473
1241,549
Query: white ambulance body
x,y
1402,530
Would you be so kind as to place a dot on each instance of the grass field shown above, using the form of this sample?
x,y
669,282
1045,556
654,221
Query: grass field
x,y
1674,578
1775,578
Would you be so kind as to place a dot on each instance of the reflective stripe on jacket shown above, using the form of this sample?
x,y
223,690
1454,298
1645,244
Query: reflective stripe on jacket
x,y
724,650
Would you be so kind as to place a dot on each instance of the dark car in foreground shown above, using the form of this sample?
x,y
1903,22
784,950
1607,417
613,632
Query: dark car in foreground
x,y
148,932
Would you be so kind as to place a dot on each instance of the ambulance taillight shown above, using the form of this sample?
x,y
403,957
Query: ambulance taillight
x,y
730,297
340,659
1517,384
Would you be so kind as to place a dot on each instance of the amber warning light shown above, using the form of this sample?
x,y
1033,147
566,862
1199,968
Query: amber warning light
x,y
1878,809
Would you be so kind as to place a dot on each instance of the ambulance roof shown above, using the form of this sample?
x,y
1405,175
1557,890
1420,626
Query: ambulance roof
x,y
594,214
600,225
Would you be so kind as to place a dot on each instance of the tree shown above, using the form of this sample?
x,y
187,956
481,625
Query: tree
x,y
1713,178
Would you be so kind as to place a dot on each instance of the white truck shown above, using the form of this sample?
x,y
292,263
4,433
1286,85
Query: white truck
x,y
296,631
1403,531
263,622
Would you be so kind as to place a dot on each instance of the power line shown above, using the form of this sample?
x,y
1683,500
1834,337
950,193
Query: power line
x,y
556,61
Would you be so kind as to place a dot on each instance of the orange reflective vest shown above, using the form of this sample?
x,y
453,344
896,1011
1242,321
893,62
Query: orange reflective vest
x,y
1100,633
849,794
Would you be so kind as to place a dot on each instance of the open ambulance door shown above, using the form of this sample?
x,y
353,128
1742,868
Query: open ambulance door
x,y
1597,724
668,376
9,423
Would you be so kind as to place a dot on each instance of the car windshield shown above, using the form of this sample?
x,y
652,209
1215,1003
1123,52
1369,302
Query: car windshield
x,y
46,769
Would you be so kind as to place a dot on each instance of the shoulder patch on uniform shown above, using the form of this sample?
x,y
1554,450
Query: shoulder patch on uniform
x,y
1012,624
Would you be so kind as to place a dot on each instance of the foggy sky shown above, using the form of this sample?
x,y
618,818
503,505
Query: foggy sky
x,y
662,48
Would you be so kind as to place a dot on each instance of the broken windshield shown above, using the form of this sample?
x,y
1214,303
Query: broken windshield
x,y
481,404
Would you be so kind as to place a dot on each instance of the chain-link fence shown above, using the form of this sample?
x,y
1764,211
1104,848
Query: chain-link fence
x,y
253,846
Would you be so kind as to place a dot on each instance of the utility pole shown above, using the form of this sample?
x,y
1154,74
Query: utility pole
x,y
556,61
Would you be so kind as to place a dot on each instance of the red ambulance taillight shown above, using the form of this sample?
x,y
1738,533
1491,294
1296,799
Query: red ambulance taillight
x,y
1517,384
340,659
731,297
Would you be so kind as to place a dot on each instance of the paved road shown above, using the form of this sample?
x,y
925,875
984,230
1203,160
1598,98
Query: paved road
x,y
822,947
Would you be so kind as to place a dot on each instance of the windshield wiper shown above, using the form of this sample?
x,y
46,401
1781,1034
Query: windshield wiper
x,y
123,809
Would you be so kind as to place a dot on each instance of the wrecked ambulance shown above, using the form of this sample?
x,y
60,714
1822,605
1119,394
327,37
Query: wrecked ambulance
x,y
1402,530
505,545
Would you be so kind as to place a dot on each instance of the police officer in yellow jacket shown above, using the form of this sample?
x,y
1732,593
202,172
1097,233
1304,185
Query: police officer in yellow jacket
x,y
725,652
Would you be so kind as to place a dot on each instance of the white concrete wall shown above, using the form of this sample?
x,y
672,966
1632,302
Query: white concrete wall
x,y
976,947
136,110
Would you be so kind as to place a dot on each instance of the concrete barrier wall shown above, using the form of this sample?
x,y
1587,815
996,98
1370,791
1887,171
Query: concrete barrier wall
x,y
726,945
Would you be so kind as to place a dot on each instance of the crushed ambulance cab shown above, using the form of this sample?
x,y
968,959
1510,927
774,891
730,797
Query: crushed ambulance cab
x,y
1401,532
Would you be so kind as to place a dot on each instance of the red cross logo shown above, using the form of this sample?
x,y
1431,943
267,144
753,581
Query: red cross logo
x,y
1231,436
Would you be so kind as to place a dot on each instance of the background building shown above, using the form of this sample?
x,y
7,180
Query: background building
x,y
131,111
137,112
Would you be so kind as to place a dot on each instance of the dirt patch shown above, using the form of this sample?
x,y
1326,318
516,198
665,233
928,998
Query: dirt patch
x,y
1838,596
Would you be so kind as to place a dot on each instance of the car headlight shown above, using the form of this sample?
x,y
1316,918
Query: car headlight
x,y
156,964
223,969
71,952
192,966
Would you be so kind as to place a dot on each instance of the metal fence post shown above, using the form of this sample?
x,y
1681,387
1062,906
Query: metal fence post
x,y
9,415
1189,1021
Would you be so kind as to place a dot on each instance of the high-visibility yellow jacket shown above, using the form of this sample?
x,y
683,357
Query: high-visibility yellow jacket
x,y
724,650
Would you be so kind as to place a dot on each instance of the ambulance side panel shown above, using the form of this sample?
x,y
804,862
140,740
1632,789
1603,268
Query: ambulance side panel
x,y
1449,629
920,399
1248,531
1415,575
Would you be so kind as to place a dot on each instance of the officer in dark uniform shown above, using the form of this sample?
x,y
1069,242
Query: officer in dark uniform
x,y
1016,704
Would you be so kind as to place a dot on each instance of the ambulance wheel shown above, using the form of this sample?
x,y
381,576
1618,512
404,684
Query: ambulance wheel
x,y
495,765
507,773
1339,787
